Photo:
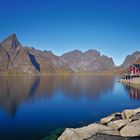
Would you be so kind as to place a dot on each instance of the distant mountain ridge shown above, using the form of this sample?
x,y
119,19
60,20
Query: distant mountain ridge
x,y
16,59
130,59
133,58
89,61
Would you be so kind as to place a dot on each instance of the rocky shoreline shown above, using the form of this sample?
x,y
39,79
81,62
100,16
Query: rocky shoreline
x,y
118,126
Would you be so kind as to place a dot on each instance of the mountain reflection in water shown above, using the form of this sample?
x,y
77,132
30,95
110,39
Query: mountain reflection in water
x,y
32,107
14,90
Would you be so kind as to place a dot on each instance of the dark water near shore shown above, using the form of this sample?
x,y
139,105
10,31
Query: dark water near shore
x,y
33,107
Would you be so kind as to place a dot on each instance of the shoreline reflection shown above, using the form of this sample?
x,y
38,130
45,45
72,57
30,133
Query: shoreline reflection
x,y
133,91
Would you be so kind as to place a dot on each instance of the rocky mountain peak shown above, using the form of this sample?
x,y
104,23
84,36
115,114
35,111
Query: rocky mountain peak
x,y
17,59
136,53
74,55
130,59
92,53
75,52
11,41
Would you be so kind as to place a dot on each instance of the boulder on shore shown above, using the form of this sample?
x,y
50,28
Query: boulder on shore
x,y
87,132
131,129
114,116
128,113
117,126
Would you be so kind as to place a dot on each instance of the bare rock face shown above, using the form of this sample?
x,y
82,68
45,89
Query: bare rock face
x,y
90,61
76,60
130,59
92,53
11,43
14,59
50,63
133,58
101,64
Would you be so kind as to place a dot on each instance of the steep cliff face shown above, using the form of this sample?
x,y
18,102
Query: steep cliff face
x,y
100,64
50,63
89,61
76,60
130,59
14,58
92,53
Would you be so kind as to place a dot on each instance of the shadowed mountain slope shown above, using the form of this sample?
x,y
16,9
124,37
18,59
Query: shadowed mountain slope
x,y
16,59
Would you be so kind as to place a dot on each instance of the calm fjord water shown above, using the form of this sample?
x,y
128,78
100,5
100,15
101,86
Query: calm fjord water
x,y
32,107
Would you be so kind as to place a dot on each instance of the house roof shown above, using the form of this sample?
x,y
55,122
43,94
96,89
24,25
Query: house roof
x,y
137,65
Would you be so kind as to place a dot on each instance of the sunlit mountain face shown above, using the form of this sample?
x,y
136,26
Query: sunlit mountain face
x,y
16,59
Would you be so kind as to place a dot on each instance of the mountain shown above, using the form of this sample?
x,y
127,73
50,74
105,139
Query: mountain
x,y
130,59
50,63
100,64
138,61
18,59
14,58
89,61
76,60
92,53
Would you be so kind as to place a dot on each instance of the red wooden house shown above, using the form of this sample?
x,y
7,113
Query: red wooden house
x,y
134,70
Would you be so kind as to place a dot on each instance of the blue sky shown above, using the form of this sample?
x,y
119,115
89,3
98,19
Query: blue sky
x,y
110,26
